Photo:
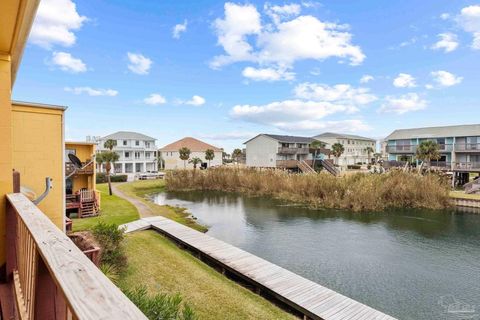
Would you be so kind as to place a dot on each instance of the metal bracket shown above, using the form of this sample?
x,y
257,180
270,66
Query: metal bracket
x,y
48,186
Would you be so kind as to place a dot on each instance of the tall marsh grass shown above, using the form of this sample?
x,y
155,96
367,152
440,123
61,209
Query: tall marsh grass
x,y
357,192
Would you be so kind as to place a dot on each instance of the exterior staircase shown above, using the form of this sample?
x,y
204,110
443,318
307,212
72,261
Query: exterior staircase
x,y
88,204
329,167
305,167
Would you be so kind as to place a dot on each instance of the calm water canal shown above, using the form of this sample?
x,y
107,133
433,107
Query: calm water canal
x,y
410,264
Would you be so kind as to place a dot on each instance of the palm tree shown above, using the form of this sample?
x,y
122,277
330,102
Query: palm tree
x,y
209,155
195,161
109,158
315,147
236,154
369,151
428,151
110,144
337,150
184,155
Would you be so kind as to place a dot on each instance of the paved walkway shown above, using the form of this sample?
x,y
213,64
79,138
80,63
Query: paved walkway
x,y
143,210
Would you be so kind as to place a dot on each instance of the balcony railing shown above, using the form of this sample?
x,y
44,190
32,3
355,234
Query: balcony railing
x,y
290,164
52,278
467,165
412,148
288,150
467,147
69,168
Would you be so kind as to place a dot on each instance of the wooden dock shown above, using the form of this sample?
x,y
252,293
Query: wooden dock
x,y
310,299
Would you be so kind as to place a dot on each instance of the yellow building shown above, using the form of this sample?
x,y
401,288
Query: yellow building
x,y
37,145
39,264
80,185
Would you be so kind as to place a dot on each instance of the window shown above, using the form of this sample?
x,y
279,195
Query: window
x,y
137,142
124,142
127,154
147,144
137,155
147,155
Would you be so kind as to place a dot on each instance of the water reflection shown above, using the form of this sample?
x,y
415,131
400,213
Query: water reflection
x,y
399,261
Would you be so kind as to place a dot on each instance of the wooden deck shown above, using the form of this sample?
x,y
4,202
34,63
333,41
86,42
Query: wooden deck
x,y
307,297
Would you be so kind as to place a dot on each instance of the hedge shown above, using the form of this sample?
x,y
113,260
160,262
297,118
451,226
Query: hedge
x,y
102,178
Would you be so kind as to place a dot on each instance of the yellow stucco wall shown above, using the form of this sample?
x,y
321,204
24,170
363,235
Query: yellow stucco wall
x,y
5,145
38,152
84,152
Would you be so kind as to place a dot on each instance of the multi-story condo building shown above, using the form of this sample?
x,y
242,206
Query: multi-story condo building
x,y
459,145
137,152
277,151
355,147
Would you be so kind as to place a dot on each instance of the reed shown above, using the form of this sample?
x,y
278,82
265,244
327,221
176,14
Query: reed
x,y
357,192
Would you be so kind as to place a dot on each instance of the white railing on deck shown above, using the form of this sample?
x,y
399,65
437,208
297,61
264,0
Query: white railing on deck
x,y
53,279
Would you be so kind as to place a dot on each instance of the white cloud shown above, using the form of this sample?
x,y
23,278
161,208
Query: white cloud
x,y
155,99
92,92
233,135
196,101
403,104
267,74
404,80
178,29
445,79
288,110
448,42
341,93
55,22
139,64
243,38
353,125
232,31
445,16
469,20
279,13
307,111
66,62
366,78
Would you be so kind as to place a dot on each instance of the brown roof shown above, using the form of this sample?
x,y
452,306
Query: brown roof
x,y
191,143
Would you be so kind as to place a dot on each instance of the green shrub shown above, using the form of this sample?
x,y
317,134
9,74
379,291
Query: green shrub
x,y
160,306
102,178
111,272
110,239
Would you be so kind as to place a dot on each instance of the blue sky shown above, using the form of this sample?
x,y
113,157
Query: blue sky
x,y
225,71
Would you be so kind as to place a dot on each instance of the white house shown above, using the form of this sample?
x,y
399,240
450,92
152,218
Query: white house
x,y
171,156
277,151
355,147
137,152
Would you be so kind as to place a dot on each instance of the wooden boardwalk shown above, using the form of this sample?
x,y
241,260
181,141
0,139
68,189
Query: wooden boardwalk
x,y
307,297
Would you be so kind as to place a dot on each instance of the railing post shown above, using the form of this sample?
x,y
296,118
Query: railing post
x,y
50,303
11,242
11,225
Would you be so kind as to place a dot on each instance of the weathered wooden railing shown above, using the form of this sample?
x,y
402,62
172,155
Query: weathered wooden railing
x,y
52,278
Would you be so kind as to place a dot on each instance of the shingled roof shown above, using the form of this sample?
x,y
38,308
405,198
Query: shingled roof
x,y
127,135
285,138
436,132
190,143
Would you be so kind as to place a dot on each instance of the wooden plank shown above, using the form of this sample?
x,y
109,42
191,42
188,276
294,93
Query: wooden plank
x,y
88,292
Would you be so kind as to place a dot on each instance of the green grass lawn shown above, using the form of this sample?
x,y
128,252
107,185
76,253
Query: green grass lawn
x,y
142,188
113,210
158,264
463,195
